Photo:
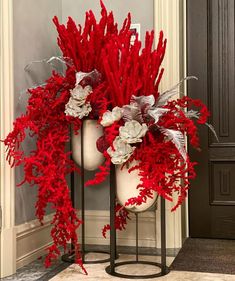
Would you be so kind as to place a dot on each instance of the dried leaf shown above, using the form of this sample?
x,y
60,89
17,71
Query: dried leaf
x,y
156,113
132,112
196,114
164,97
177,138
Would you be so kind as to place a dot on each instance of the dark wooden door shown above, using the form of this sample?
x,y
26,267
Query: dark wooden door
x,y
210,54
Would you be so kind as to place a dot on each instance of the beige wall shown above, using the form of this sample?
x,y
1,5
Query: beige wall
x,y
34,38
142,11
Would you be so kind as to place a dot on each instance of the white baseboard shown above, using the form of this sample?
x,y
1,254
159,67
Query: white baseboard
x,y
33,239
95,221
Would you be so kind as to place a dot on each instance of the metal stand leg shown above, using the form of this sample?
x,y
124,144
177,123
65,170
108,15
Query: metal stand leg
x,y
163,236
82,196
112,219
137,237
70,257
72,200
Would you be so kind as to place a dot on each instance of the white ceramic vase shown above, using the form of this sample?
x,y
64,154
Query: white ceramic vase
x,y
126,188
92,158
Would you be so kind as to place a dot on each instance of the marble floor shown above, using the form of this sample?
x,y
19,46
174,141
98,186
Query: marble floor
x,y
96,272
61,271
36,271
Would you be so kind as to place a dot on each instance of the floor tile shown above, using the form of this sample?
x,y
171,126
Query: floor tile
x,y
96,272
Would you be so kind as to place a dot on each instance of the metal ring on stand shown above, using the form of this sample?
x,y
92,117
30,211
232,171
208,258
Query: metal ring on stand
x,y
70,258
122,275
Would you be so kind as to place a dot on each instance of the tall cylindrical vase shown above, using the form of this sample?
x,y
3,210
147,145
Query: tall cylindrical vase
x,y
92,158
126,188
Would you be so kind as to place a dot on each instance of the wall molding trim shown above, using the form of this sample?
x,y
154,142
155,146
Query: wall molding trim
x,y
7,193
33,239
95,220
170,17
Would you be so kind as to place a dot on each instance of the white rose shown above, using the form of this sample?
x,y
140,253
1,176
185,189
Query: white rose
x,y
80,94
84,110
122,151
72,109
109,117
77,106
117,113
133,131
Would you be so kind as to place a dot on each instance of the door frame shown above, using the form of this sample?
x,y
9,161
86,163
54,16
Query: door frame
x,y
7,193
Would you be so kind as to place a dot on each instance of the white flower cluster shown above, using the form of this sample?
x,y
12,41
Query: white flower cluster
x,y
122,151
134,128
132,132
77,105
109,117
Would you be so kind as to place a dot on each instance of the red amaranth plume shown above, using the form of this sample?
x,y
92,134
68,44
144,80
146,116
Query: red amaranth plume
x,y
83,46
130,71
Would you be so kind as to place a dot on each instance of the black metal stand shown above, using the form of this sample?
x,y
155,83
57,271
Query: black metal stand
x,y
111,268
70,257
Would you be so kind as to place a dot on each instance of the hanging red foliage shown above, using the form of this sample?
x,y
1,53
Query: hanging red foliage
x,y
120,219
48,165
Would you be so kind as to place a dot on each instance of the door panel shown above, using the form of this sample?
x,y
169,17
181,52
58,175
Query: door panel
x,y
211,58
